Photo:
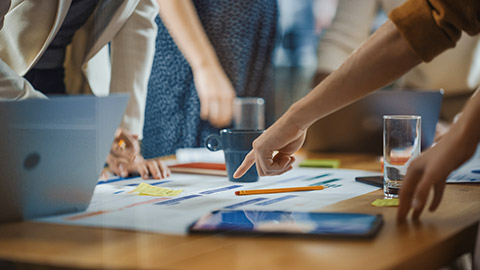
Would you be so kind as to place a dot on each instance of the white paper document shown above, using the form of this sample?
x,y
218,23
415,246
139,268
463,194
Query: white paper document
x,y
469,172
200,154
114,205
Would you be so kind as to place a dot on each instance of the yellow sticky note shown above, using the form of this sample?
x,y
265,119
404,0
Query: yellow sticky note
x,y
385,202
149,190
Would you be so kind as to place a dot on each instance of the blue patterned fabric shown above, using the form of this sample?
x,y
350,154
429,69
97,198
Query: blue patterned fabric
x,y
242,33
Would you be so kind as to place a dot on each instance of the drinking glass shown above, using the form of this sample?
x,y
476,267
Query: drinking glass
x,y
249,113
401,144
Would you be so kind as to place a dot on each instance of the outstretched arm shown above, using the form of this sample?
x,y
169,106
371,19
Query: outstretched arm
x,y
214,89
380,60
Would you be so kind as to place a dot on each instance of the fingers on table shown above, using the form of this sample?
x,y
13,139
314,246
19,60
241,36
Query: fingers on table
x,y
428,181
420,197
407,191
415,191
157,168
118,165
438,190
142,169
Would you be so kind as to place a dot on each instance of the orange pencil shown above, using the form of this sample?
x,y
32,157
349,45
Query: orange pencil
x,y
277,190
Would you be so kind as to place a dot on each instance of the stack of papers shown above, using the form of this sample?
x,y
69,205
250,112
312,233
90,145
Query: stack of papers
x,y
202,154
218,169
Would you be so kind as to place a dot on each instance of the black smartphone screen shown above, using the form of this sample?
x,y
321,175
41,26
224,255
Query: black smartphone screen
x,y
371,180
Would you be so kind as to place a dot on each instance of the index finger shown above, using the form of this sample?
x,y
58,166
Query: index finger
x,y
246,164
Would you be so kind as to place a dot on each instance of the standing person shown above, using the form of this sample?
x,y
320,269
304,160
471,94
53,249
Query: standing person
x,y
207,53
417,31
61,47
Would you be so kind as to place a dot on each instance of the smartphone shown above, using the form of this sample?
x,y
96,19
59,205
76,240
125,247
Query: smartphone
x,y
371,180
333,225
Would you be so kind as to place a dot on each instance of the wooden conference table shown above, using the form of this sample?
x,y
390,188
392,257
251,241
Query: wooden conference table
x,y
435,241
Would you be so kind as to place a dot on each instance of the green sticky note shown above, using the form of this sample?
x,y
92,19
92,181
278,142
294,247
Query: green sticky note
x,y
320,163
385,202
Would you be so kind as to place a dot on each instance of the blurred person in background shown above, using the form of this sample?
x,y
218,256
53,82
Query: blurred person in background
x,y
207,53
300,23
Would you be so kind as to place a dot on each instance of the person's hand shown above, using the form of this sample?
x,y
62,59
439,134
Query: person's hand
x,y
216,95
125,146
430,171
273,150
125,158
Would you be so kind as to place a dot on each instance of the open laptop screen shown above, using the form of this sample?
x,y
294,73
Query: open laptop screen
x,y
52,152
358,126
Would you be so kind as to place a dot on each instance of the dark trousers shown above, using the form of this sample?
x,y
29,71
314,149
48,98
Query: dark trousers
x,y
48,81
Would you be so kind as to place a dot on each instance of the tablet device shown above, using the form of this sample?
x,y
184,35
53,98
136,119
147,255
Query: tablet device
x,y
341,225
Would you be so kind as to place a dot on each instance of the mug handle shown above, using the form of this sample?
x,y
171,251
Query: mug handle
x,y
213,143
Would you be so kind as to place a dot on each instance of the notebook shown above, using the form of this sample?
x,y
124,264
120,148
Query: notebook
x,y
53,151
358,126
218,169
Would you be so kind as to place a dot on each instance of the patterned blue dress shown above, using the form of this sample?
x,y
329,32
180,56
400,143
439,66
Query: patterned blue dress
x,y
243,35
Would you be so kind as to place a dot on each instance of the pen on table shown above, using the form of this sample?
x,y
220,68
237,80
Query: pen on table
x,y
277,190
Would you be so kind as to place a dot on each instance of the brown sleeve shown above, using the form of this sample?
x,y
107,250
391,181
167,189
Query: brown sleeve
x,y
432,26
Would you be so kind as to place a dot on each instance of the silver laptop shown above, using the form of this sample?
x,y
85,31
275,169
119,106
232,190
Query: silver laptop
x,y
52,152
358,127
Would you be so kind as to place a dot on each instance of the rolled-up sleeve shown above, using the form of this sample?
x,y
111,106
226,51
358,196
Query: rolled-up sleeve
x,y
433,26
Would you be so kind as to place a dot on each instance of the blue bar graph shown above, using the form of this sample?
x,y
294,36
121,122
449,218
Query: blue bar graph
x,y
233,206
115,180
211,191
279,199
177,200
317,177
290,179
325,182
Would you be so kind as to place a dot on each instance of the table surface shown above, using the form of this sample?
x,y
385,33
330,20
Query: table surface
x,y
436,240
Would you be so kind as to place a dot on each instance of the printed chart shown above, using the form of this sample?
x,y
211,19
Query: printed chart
x,y
113,205
469,172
